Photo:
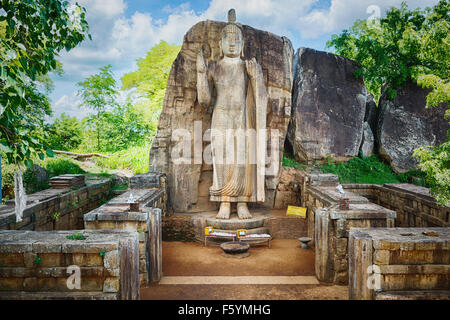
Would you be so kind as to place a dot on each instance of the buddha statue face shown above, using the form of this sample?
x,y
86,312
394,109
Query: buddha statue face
x,y
231,43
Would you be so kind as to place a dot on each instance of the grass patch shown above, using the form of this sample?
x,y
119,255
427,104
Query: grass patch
x,y
371,170
135,159
291,163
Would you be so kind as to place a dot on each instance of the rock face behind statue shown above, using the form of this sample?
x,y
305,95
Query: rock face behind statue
x,y
189,183
404,124
329,107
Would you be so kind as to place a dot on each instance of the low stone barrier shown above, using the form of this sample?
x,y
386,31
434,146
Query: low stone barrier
x,y
48,265
57,209
399,263
146,222
414,205
331,236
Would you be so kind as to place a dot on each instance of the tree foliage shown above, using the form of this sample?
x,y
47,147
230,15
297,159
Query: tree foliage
x,y
65,133
117,126
435,161
98,93
150,80
407,44
32,33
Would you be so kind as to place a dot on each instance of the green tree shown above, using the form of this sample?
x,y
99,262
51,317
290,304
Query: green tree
x,y
65,133
124,127
32,33
98,92
150,80
435,162
408,44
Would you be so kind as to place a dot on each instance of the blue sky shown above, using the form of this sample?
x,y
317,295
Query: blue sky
x,y
124,30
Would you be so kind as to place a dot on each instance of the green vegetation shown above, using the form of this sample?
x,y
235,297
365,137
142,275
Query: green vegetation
x,y
76,236
435,162
29,46
59,166
102,253
65,133
150,80
407,45
56,215
288,162
37,260
370,170
135,159
114,126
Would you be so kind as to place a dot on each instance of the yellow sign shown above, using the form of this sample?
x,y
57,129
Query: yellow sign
x,y
208,231
296,211
241,233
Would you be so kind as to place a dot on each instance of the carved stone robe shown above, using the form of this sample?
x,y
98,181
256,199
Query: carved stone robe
x,y
238,143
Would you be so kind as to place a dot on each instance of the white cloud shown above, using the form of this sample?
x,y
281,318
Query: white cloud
x,y
68,104
342,13
103,8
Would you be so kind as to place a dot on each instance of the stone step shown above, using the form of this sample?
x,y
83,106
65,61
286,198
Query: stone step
x,y
414,295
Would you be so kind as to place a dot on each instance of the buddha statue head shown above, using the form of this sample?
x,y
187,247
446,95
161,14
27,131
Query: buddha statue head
x,y
231,41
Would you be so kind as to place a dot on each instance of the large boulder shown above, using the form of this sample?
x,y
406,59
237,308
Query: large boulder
x,y
188,183
329,106
404,124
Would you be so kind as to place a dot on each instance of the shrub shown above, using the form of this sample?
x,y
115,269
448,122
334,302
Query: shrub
x,y
59,166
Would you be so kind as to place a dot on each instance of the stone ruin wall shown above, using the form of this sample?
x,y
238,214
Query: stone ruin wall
x,y
188,184
414,205
71,206
34,265
399,263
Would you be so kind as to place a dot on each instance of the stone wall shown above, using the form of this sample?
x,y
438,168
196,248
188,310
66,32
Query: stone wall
x,y
399,263
35,265
414,205
116,215
57,209
332,227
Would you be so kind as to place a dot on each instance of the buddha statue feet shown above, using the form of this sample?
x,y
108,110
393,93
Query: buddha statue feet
x,y
224,211
242,211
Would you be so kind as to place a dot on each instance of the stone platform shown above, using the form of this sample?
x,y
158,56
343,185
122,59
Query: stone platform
x,y
38,265
190,227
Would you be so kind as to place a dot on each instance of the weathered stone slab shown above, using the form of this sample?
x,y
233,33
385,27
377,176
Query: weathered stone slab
x,y
329,106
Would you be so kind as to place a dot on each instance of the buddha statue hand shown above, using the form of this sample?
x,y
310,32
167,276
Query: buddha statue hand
x,y
252,68
201,65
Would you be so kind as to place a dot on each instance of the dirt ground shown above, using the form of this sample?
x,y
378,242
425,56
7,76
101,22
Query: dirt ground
x,y
284,258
